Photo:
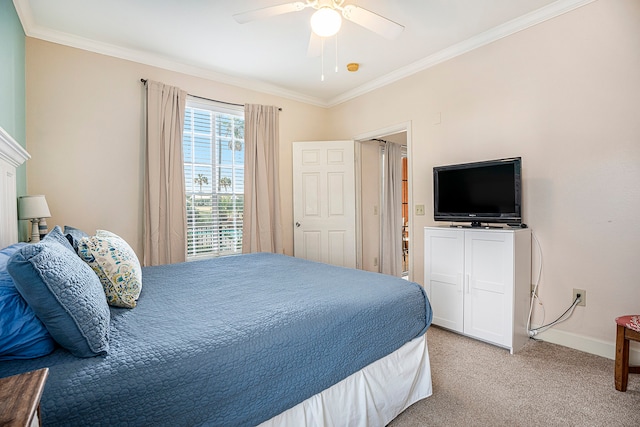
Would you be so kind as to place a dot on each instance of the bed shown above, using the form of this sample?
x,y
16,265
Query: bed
x,y
256,339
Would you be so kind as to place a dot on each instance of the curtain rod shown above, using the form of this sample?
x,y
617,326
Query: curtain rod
x,y
209,99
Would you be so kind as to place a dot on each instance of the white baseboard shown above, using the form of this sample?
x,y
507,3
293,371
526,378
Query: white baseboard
x,y
587,344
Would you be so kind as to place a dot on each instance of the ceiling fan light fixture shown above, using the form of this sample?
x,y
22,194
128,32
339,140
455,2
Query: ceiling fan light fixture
x,y
326,21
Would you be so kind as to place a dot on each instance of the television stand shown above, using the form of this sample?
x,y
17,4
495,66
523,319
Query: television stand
x,y
478,282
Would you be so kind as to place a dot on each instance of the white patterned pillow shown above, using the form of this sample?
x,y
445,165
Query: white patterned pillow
x,y
116,264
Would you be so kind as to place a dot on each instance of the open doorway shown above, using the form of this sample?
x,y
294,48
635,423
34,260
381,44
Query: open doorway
x,y
405,214
373,235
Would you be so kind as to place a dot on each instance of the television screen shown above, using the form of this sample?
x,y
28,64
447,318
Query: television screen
x,y
479,192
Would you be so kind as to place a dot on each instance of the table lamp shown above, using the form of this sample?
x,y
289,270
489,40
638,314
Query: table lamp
x,y
33,208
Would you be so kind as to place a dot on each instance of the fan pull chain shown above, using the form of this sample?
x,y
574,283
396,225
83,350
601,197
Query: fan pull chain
x,y
336,36
322,62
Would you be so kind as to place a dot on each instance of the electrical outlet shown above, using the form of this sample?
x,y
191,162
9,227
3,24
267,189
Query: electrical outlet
x,y
375,262
419,209
583,296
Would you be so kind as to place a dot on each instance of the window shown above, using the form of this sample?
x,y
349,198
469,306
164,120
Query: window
x,y
213,143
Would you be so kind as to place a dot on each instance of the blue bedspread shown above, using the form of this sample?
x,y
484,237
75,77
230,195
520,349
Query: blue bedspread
x,y
231,341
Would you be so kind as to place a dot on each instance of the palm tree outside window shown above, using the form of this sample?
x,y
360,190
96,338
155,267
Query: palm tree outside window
x,y
213,144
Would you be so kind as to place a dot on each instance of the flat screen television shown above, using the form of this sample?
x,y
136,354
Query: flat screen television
x,y
480,192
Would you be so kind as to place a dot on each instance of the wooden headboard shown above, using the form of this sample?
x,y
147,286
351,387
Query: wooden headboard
x,y
12,155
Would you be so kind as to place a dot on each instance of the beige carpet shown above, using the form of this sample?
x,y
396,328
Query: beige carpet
x,y
477,384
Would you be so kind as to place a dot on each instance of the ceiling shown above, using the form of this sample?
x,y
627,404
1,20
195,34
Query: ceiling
x,y
200,37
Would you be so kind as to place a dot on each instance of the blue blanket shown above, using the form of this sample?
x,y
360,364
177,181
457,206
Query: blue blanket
x,y
231,341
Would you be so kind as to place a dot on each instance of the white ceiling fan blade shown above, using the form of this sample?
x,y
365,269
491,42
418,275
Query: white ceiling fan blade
x,y
372,21
267,12
315,45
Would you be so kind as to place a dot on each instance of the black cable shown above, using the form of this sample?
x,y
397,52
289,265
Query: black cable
x,y
573,305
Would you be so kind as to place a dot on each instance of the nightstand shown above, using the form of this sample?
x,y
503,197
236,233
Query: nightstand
x,y
20,398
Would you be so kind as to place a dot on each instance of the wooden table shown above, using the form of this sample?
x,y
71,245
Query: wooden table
x,y
20,398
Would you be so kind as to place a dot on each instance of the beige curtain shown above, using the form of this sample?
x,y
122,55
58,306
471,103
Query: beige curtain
x,y
165,217
261,229
391,243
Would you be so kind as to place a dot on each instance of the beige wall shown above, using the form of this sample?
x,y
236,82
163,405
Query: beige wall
x,y
564,95
85,135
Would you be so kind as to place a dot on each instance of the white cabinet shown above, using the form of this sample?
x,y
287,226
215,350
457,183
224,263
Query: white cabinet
x,y
478,282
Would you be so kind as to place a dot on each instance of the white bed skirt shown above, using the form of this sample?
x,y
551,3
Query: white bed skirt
x,y
370,397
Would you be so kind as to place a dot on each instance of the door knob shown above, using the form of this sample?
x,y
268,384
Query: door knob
x,y
297,224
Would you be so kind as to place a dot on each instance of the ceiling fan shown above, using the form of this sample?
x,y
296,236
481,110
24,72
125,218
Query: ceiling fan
x,y
326,20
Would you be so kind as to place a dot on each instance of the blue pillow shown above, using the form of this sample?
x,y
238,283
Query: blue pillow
x,y
74,235
65,294
22,335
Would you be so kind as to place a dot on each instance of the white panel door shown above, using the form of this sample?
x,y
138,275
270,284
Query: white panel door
x,y
489,294
324,204
443,272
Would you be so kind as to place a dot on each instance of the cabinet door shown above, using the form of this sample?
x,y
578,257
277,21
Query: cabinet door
x,y
444,263
489,286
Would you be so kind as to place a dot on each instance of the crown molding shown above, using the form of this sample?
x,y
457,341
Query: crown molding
x,y
550,11
515,25
163,62
11,151
35,31
23,9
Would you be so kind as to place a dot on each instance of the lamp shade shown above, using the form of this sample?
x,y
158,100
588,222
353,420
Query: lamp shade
x,y
31,207
326,22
